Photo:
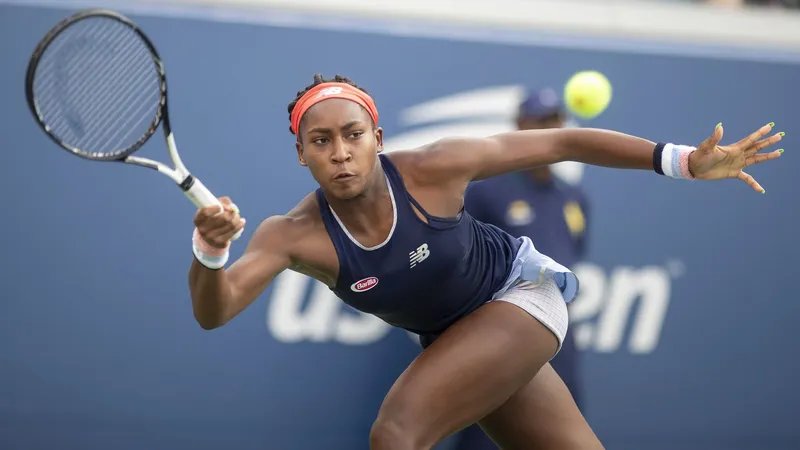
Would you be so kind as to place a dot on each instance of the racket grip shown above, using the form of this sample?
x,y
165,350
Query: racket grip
x,y
199,194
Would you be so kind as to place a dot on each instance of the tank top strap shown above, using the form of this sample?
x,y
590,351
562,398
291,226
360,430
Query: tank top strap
x,y
324,208
340,240
399,187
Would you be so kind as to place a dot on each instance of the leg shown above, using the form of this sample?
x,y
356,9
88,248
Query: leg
x,y
566,364
543,413
472,369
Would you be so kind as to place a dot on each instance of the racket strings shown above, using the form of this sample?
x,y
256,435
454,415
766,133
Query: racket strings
x,y
47,79
106,96
53,79
98,101
97,87
91,79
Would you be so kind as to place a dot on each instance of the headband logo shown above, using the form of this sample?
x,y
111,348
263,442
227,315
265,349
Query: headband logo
x,y
329,91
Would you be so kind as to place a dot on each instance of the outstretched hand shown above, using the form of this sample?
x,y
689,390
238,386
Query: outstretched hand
x,y
712,161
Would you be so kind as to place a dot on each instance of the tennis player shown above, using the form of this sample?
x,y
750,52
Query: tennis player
x,y
389,235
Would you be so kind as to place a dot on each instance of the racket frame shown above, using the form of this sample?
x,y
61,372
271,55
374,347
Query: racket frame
x,y
190,185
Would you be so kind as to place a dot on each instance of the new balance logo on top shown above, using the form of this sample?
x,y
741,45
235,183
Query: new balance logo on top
x,y
419,255
329,91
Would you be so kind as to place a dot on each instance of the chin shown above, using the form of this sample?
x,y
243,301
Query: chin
x,y
346,192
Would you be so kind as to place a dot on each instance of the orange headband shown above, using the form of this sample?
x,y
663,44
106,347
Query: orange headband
x,y
325,91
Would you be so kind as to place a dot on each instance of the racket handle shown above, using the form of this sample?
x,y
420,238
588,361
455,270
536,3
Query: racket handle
x,y
199,194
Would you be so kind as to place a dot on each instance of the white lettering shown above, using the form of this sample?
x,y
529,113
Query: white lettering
x,y
611,302
588,304
322,320
289,321
635,299
359,329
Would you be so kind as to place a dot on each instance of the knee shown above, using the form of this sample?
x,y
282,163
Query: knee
x,y
391,434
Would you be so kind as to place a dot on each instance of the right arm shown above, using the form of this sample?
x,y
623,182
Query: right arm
x,y
219,295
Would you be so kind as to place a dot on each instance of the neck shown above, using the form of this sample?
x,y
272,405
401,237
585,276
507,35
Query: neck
x,y
367,210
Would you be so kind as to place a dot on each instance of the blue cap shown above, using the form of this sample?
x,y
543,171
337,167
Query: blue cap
x,y
539,104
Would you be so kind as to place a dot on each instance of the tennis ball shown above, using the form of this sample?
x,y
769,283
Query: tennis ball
x,y
587,94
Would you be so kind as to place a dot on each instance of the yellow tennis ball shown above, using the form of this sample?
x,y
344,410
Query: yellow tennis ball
x,y
587,94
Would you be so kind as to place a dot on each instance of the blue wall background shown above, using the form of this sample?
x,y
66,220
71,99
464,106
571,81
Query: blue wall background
x,y
98,347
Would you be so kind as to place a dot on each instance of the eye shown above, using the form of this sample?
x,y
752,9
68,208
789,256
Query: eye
x,y
356,134
319,140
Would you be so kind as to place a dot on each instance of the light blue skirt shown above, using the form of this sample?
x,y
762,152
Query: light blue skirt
x,y
530,265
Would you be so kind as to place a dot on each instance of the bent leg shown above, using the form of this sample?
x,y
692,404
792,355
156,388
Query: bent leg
x,y
567,366
472,369
541,415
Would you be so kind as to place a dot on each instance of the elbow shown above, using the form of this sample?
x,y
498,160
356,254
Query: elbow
x,y
208,322
208,326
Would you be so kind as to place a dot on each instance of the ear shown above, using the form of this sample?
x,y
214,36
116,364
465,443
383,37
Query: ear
x,y
300,158
379,138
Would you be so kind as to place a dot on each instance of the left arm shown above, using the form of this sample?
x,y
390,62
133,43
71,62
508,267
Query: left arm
x,y
520,150
464,159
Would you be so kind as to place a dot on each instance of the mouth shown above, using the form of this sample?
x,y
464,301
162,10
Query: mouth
x,y
344,176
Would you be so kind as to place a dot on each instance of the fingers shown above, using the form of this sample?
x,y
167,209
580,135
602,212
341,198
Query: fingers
x,y
710,144
754,137
761,157
764,143
228,204
747,178
218,225
203,214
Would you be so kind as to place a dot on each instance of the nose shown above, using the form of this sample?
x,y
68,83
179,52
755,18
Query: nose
x,y
341,153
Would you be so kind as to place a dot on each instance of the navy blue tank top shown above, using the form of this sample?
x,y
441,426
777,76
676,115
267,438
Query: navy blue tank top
x,y
424,276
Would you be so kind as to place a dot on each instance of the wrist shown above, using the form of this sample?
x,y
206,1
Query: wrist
x,y
673,160
689,170
206,254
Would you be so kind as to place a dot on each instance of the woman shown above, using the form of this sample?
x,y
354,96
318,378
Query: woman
x,y
388,234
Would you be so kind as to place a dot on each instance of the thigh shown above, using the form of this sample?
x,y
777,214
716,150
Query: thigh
x,y
468,372
541,415
567,366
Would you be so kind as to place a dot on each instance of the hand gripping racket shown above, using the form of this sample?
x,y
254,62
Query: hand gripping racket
x,y
97,87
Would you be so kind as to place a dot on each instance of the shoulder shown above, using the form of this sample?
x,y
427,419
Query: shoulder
x,y
430,164
286,230
409,163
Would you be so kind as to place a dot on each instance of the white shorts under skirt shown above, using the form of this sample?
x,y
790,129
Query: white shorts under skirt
x,y
538,285
541,287
544,302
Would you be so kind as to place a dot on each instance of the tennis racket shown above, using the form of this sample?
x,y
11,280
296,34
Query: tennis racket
x,y
96,85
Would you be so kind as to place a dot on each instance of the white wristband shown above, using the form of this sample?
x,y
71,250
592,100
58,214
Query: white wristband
x,y
211,257
673,160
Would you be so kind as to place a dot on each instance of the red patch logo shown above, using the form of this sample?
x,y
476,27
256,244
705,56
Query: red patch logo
x,y
364,285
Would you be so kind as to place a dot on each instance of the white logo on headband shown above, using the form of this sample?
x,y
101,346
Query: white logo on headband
x,y
329,91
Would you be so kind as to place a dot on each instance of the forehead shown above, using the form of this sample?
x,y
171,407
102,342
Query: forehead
x,y
334,113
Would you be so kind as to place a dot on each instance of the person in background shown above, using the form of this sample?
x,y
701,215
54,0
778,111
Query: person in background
x,y
552,213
